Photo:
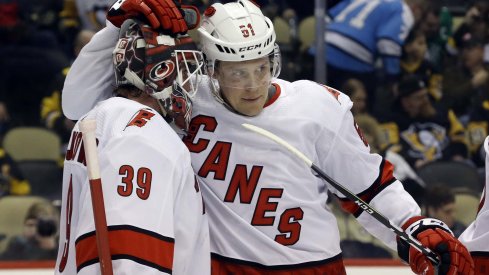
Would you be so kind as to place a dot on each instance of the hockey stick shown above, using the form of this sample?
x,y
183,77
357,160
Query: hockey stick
x,y
358,201
87,127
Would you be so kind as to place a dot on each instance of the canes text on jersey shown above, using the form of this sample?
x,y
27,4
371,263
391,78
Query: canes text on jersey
x,y
268,198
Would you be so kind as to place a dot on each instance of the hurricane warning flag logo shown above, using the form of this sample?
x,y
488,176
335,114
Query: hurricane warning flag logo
x,y
162,70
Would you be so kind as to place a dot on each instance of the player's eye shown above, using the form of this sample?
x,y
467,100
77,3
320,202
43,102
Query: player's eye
x,y
238,73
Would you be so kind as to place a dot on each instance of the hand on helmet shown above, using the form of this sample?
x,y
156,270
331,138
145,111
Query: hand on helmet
x,y
167,15
435,235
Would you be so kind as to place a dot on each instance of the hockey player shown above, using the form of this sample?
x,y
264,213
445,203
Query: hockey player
x,y
267,211
476,236
155,214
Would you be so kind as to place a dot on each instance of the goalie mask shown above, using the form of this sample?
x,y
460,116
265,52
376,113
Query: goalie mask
x,y
166,68
236,32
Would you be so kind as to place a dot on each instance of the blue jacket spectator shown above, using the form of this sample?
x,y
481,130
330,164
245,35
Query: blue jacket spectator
x,y
363,30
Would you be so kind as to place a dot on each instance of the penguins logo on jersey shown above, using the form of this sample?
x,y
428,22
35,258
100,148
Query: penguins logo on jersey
x,y
425,140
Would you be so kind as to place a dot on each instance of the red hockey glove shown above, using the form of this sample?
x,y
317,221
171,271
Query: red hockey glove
x,y
435,235
165,14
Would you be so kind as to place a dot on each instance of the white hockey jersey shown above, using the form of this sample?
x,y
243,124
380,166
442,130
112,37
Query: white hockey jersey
x,y
476,236
154,208
265,206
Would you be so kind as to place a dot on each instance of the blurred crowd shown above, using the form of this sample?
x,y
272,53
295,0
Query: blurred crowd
x,y
421,94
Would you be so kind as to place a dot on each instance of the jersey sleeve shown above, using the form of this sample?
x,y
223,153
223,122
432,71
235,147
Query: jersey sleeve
x,y
348,160
141,187
476,236
91,77
392,32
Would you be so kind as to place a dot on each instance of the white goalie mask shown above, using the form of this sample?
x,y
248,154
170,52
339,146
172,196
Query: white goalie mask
x,y
237,32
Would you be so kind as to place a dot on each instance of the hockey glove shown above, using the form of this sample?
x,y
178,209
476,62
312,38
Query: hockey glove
x,y
167,15
435,235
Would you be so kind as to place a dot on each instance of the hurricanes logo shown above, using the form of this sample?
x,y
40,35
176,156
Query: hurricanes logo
x,y
162,70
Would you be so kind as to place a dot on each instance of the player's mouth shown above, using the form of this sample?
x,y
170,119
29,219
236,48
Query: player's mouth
x,y
251,99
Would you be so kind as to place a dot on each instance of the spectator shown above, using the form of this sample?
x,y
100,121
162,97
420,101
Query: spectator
x,y
38,240
440,204
51,114
438,36
357,93
12,182
475,23
478,125
362,31
413,61
69,26
424,132
462,82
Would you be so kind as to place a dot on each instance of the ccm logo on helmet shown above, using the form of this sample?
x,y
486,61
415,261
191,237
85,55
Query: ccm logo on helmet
x,y
250,48
162,70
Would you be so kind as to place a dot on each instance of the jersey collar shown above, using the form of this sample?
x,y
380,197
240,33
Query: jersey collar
x,y
275,96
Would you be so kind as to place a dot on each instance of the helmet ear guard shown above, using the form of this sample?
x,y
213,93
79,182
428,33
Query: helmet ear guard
x,y
164,67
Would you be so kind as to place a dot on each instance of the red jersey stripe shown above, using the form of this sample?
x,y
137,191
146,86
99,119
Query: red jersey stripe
x,y
384,179
128,242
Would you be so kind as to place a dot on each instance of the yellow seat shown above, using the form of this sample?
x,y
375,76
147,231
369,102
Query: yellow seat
x,y
466,205
13,210
282,30
32,143
306,32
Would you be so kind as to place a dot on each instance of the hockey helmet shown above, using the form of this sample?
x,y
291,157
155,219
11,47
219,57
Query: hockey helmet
x,y
235,32
165,67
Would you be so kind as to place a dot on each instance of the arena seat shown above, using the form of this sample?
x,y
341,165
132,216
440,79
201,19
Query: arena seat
x,y
32,143
306,32
466,205
454,174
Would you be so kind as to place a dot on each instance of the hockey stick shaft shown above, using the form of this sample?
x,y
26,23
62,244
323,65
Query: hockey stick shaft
x,y
88,127
347,193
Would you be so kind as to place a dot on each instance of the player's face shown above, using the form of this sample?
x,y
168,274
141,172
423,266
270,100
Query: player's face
x,y
414,103
30,228
473,56
417,48
445,213
244,85
359,98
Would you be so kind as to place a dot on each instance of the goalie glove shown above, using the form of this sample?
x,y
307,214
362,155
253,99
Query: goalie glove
x,y
434,234
167,15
